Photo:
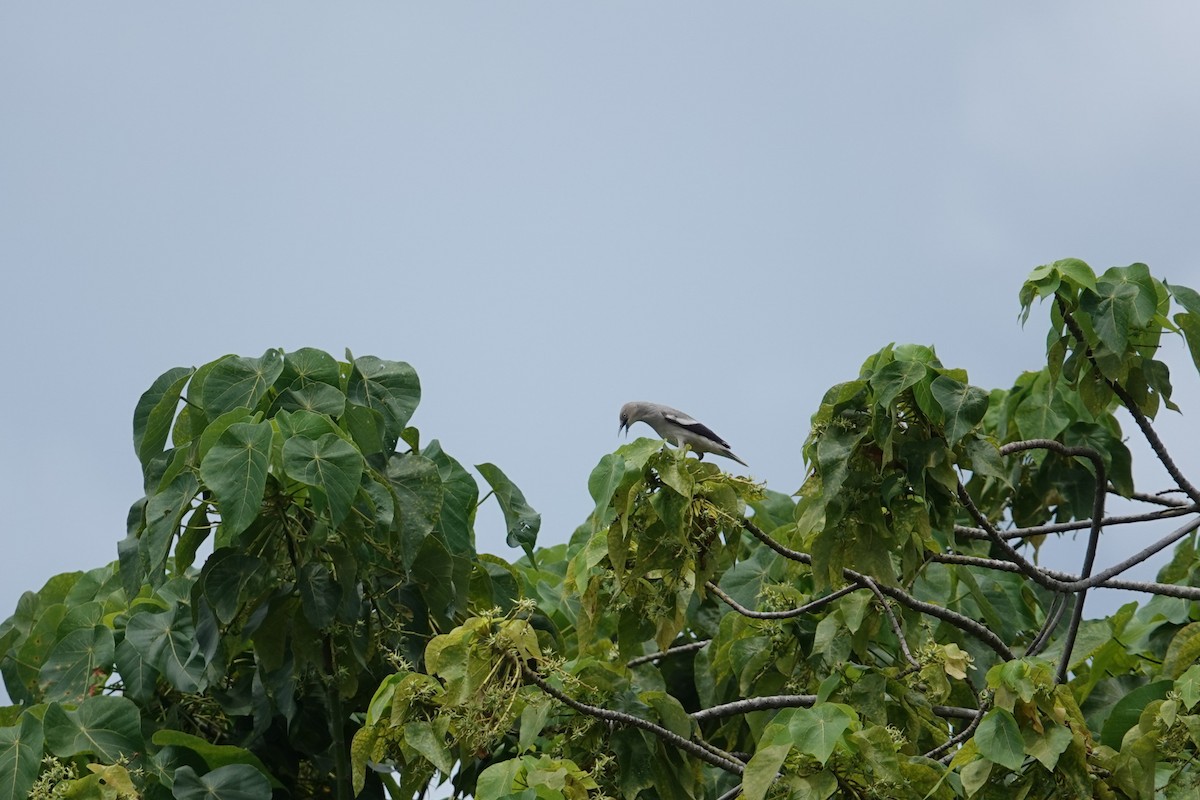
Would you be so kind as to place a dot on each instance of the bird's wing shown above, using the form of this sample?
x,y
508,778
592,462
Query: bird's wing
x,y
699,428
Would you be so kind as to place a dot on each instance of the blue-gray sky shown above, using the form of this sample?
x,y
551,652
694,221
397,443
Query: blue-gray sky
x,y
549,209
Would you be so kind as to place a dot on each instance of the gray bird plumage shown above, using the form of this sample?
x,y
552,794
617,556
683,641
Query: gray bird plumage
x,y
676,427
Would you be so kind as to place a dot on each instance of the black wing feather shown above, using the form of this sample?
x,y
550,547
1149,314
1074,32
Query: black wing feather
x,y
698,427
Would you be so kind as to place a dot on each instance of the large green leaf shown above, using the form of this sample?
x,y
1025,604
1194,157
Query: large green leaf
x,y
164,513
138,677
154,412
166,640
1042,414
417,484
317,397
236,471
762,769
106,726
389,387
963,406
999,739
240,382
522,521
460,494
894,378
232,782
229,578
309,365
70,671
603,483
20,756
319,594
1128,709
214,755
330,464
816,730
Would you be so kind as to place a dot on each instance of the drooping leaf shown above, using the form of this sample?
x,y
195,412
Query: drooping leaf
x,y
236,471
521,520
963,406
319,594
164,514
417,484
1042,414
460,494
818,730
155,411
999,739
603,482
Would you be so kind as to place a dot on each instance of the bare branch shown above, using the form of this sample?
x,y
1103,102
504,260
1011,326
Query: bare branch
x,y
690,647
960,737
1166,589
769,702
807,608
754,704
1171,510
963,623
703,752
1159,499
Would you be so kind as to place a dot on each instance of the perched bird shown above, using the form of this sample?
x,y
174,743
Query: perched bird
x,y
676,427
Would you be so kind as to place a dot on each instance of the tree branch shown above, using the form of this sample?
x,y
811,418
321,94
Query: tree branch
x,y
963,623
896,629
703,752
792,612
1156,444
1166,589
1171,510
678,650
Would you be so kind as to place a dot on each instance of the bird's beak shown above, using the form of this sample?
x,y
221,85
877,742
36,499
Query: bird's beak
x,y
623,428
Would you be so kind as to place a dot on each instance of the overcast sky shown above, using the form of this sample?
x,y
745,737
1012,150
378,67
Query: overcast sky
x,y
549,209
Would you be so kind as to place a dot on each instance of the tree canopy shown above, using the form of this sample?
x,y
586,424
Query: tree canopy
x,y
886,631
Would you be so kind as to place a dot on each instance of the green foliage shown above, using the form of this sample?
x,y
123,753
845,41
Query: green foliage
x,y
885,632
334,556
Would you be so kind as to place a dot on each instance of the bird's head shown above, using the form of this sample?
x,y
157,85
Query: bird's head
x,y
630,413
